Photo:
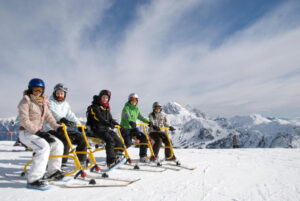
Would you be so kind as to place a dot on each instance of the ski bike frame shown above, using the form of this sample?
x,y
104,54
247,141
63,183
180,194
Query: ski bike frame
x,y
78,166
148,143
73,156
91,152
92,162
170,143
172,157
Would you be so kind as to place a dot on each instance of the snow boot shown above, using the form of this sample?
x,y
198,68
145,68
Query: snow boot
x,y
58,175
154,159
114,163
120,156
144,159
171,159
39,185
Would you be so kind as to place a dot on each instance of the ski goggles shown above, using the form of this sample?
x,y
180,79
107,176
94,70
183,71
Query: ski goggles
x,y
133,99
38,89
157,107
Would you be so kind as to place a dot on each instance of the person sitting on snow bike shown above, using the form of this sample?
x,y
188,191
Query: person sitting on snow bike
x,y
101,123
159,120
33,111
62,112
130,114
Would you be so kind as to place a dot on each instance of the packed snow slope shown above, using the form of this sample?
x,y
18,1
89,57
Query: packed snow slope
x,y
196,130
221,174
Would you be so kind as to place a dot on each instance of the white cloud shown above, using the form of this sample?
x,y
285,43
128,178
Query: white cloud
x,y
253,71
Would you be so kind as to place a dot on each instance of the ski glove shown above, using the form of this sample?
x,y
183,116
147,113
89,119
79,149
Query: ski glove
x,y
156,128
138,134
132,124
85,129
60,130
67,122
112,126
118,125
172,128
45,136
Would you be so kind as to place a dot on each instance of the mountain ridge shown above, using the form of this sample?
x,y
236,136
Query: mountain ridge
x,y
194,129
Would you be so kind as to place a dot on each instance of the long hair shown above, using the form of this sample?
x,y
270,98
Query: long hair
x,y
153,115
27,92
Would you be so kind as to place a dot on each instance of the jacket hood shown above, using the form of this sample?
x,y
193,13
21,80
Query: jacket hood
x,y
96,100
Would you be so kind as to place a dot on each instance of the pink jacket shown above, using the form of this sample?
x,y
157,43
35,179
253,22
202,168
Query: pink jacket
x,y
32,116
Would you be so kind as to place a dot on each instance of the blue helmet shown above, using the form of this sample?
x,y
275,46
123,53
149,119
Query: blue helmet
x,y
36,82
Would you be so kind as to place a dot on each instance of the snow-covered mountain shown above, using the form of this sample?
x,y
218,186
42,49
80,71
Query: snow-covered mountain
x,y
195,130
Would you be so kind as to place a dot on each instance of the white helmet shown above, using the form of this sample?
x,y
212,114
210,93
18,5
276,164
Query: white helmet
x,y
60,86
133,95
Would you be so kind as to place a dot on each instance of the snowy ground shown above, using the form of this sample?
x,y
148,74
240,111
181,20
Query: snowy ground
x,y
227,174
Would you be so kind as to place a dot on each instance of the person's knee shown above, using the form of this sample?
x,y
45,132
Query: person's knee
x,y
58,145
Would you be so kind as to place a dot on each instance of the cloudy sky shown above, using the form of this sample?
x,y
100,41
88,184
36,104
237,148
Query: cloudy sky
x,y
225,57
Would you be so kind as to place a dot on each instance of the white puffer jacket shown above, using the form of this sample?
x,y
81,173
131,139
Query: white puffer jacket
x,y
61,109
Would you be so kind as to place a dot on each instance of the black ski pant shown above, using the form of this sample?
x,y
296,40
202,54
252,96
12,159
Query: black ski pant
x,y
77,139
112,141
158,138
127,136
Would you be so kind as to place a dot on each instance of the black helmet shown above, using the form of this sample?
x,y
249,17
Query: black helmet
x,y
105,92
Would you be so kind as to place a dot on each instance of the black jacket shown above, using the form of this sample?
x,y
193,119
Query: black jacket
x,y
99,117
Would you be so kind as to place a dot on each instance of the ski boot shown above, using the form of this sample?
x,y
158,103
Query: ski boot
x,y
39,184
58,175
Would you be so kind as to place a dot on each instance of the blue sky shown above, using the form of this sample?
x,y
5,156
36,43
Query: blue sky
x,y
224,57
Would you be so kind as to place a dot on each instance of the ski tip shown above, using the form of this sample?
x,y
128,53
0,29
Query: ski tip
x,y
135,180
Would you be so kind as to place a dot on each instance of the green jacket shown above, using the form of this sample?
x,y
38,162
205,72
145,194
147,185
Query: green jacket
x,y
131,113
